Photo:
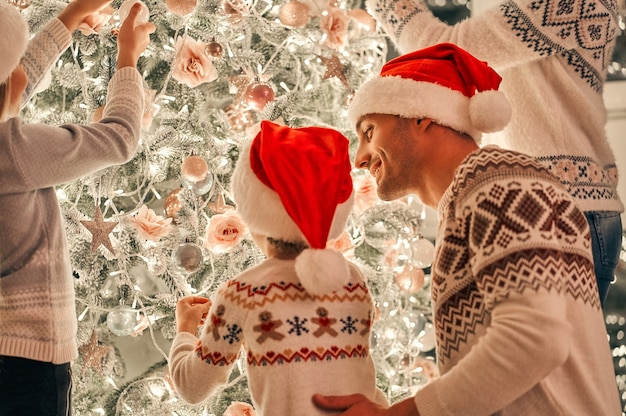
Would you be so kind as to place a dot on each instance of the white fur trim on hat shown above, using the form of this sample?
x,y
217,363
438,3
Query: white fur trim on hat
x,y
13,39
413,99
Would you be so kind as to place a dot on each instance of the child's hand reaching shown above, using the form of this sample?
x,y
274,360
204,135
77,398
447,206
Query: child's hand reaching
x,y
78,10
190,313
132,39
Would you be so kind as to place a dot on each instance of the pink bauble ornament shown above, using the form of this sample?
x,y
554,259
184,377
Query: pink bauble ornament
x,y
144,14
194,168
258,94
411,279
294,14
181,7
172,204
214,49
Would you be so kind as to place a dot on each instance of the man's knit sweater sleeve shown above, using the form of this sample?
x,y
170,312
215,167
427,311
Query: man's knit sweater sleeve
x,y
515,253
507,35
199,366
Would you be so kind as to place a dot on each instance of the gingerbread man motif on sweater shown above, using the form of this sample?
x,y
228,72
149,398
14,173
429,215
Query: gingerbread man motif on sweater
x,y
288,338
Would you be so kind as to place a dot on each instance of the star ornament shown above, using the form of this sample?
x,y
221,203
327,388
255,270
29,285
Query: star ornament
x,y
334,68
93,353
100,231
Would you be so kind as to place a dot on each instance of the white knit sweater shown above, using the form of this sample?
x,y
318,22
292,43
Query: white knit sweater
x,y
552,56
516,308
295,344
37,310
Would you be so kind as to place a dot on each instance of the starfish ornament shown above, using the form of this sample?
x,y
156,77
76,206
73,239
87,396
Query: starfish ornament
x,y
334,68
93,353
100,231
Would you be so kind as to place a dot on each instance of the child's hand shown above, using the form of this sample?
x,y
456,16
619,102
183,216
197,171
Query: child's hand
x,y
78,10
190,313
132,40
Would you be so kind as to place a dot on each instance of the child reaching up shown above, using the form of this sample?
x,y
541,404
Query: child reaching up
x,y
303,316
37,310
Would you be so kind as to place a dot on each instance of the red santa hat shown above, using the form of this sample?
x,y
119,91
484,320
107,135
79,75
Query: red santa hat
x,y
294,184
13,39
442,82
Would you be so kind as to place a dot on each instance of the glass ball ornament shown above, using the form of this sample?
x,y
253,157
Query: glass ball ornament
x,y
122,320
124,10
181,7
214,49
172,204
423,252
194,168
427,337
188,257
202,187
294,14
258,94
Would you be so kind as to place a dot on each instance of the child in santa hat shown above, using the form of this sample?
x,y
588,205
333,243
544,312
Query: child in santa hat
x,y
37,310
303,316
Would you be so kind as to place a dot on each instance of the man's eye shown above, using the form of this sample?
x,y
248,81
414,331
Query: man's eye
x,y
367,134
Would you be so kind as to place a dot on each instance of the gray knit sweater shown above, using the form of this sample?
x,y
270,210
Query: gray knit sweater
x,y
37,310
553,57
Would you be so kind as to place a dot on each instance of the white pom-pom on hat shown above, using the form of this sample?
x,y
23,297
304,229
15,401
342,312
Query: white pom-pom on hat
x,y
489,111
322,270
13,39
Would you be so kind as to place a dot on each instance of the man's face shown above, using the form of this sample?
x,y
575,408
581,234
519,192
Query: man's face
x,y
389,150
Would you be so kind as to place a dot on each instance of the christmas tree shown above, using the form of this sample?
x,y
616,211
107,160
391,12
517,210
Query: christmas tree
x,y
163,226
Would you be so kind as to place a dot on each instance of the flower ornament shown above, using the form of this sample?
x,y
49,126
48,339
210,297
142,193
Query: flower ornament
x,y
149,225
342,244
94,22
365,196
335,24
192,66
240,409
224,232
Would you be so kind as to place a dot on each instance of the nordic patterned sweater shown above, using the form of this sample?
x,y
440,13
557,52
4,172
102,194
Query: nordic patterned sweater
x,y
553,57
295,344
37,309
516,308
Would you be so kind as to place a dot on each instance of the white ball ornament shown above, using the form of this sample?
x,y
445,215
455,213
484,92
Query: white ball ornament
x,y
423,252
122,320
124,10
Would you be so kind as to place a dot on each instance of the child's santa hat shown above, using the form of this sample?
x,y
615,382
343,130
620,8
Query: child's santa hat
x,y
294,185
442,82
13,39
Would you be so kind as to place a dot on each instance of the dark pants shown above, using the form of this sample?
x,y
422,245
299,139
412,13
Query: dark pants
x,y
34,388
606,243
